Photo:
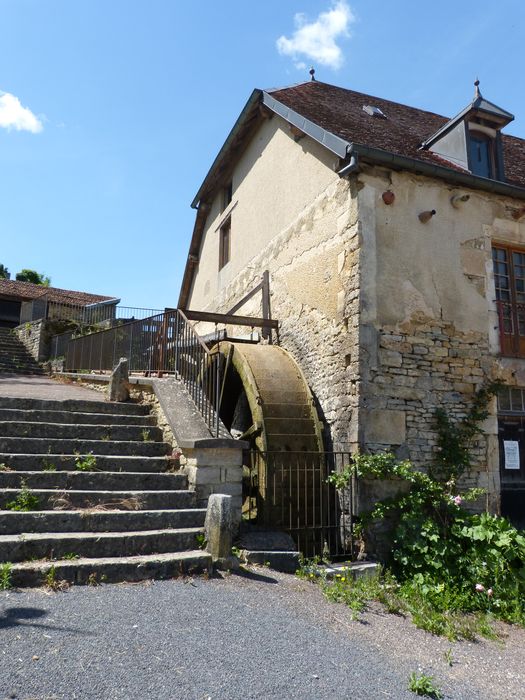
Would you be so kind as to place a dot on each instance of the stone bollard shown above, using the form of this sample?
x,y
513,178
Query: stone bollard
x,y
218,529
119,382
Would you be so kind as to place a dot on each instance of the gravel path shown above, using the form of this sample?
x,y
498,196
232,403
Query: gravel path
x,y
263,635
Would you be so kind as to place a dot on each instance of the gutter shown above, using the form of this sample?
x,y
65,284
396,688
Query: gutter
x,y
454,177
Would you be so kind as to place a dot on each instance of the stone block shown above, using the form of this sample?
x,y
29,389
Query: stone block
x,y
390,358
118,388
218,527
386,427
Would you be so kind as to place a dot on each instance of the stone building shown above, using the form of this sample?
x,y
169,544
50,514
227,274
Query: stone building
x,y
395,244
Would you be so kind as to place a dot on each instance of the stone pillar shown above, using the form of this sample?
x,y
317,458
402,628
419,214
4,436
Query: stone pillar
x,y
215,470
218,528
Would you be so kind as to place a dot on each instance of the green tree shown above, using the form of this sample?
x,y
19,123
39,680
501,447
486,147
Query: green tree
x,y
34,277
4,272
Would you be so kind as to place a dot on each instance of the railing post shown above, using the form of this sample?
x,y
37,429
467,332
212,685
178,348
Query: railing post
x,y
130,351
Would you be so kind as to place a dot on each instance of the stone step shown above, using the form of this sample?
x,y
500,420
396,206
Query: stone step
x,y
10,350
14,352
93,481
76,431
22,369
75,405
93,520
28,445
78,417
127,500
57,545
68,462
111,569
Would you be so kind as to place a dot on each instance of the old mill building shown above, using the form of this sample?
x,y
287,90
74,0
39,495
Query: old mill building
x,y
394,244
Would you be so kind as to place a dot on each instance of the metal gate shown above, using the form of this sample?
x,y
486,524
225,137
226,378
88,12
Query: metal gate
x,y
289,491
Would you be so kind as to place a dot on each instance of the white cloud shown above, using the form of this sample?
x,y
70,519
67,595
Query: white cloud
x,y
317,40
14,116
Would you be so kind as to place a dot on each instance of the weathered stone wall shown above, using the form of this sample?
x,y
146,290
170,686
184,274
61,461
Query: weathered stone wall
x,y
314,282
32,335
429,333
421,366
37,335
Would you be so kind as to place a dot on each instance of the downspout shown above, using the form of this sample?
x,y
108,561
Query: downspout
x,y
352,166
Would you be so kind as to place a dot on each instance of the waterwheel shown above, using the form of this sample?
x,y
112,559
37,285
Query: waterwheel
x,y
267,402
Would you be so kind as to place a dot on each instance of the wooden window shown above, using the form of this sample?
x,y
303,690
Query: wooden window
x,y
224,243
481,152
509,279
227,195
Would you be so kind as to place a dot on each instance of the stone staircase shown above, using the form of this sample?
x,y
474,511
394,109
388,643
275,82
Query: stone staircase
x,y
14,356
96,502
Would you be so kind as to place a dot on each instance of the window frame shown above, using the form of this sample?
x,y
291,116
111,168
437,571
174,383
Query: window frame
x,y
481,136
225,242
511,310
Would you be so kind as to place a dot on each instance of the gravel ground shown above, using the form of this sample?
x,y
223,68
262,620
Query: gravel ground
x,y
259,635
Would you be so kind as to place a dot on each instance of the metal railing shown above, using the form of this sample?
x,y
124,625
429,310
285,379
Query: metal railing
x,y
166,343
289,491
105,312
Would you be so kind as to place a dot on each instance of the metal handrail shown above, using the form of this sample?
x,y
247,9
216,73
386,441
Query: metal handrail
x,y
163,344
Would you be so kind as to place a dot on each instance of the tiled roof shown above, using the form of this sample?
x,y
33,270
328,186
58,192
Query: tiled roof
x,y
340,111
28,291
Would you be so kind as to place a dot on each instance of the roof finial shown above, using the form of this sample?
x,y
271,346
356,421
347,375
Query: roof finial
x,y
476,85
312,72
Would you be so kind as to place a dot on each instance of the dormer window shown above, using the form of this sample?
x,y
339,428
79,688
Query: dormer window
x,y
481,154
472,139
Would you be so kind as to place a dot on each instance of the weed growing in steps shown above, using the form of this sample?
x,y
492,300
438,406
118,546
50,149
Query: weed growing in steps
x,y
200,540
48,466
95,580
25,501
6,574
146,435
424,685
85,463
52,582
5,468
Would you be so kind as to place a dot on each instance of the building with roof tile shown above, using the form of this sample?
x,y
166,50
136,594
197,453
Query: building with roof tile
x,y
46,302
394,239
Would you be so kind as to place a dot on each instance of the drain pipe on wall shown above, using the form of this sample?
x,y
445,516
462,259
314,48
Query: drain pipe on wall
x,y
352,166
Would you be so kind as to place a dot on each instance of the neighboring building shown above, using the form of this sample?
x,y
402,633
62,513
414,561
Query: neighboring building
x,y
395,243
25,301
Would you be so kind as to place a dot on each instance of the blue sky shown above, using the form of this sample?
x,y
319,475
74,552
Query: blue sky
x,y
111,111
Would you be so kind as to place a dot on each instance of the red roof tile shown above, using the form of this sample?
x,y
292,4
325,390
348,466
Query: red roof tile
x,y
28,291
340,111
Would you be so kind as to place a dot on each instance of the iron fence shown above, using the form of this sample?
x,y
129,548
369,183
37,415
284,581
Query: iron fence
x,y
289,491
106,312
165,344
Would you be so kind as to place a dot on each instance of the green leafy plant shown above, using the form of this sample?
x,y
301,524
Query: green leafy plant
x,y
5,468
421,684
85,463
25,500
71,556
200,539
6,574
146,435
447,561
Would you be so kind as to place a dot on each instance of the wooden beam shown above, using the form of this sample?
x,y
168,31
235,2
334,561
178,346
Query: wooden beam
x,y
230,319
